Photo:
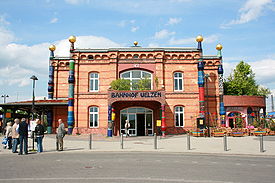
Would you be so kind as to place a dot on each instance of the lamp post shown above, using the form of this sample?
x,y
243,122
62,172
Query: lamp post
x,y
34,78
4,96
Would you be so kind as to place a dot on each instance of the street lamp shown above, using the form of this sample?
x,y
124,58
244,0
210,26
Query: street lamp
x,y
34,78
4,96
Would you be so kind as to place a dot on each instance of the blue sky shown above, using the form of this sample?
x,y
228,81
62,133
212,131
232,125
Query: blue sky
x,y
245,28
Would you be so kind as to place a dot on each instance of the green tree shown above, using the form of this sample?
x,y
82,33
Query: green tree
x,y
121,84
242,82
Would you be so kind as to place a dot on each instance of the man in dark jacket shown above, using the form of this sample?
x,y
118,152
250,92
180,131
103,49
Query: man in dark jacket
x,y
23,136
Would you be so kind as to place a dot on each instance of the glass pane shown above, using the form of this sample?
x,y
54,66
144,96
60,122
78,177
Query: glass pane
x,y
140,110
92,85
96,120
177,120
92,75
136,74
91,120
96,85
125,75
124,111
132,120
135,84
148,111
149,121
181,119
123,120
132,110
176,74
146,75
176,84
180,84
96,75
91,109
95,109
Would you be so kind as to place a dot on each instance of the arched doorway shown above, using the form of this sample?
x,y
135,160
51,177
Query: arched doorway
x,y
140,119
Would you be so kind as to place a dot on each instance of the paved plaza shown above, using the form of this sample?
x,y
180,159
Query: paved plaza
x,y
249,145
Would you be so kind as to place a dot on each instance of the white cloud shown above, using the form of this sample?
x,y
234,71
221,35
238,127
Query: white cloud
x,y
163,34
134,29
209,39
54,20
174,21
251,10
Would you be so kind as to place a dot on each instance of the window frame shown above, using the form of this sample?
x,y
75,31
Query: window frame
x,y
141,74
93,113
94,79
179,116
177,79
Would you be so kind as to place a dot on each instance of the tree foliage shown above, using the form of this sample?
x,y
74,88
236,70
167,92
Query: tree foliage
x,y
242,82
121,84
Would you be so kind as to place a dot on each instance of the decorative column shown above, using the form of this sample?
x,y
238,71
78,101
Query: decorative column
x,y
71,81
111,119
163,123
199,39
50,88
220,73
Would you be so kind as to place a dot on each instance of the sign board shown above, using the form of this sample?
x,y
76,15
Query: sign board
x,y
159,122
32,125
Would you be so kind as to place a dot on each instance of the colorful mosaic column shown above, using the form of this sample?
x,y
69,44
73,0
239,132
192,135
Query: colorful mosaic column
x,y
163,122
71,81
220,73
111,118
199,39
50,88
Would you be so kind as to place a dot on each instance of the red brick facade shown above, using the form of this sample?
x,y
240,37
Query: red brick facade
x,y
162,63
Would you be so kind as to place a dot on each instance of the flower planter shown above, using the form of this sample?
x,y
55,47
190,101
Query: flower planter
x,y
271,133
237,134
218,134
197,134
257,133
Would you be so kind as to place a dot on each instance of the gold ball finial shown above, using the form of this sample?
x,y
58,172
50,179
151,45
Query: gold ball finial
x,y
135,43
52,47
219,47
199,38
72,39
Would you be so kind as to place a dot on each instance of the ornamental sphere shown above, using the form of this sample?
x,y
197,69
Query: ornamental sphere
x,y
72,39
52,47
199,38
219,47
135,43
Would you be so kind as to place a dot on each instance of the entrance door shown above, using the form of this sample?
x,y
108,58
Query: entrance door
x,y
140,119
140,124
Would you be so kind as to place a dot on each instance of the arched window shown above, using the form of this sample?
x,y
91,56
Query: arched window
x,y
135,76
179,116
94,82
93,111
178,81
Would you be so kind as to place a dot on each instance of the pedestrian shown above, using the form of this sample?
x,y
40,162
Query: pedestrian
x,y
127,126
9,134
60,133
15,135
23,136
39,135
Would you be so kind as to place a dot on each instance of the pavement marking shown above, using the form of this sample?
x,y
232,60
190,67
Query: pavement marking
x,y
238,164
114,178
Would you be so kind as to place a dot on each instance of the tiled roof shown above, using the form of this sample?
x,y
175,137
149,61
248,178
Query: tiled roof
x,y
244,101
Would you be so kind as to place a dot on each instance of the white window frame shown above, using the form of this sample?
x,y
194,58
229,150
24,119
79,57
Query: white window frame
x,y
94,79
131,77
178,113
93,113
177,80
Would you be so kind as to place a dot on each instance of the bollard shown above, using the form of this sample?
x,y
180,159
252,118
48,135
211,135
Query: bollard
x,y
121,140
188,141
261,143
225,142
155,141
90,142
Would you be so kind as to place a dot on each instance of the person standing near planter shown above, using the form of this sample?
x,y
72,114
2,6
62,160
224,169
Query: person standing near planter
x,y
39,134
60,133
15,135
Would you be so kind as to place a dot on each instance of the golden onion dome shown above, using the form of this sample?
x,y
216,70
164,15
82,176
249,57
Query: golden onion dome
x,y
72,39
52,47
135,43
219,47
199,38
